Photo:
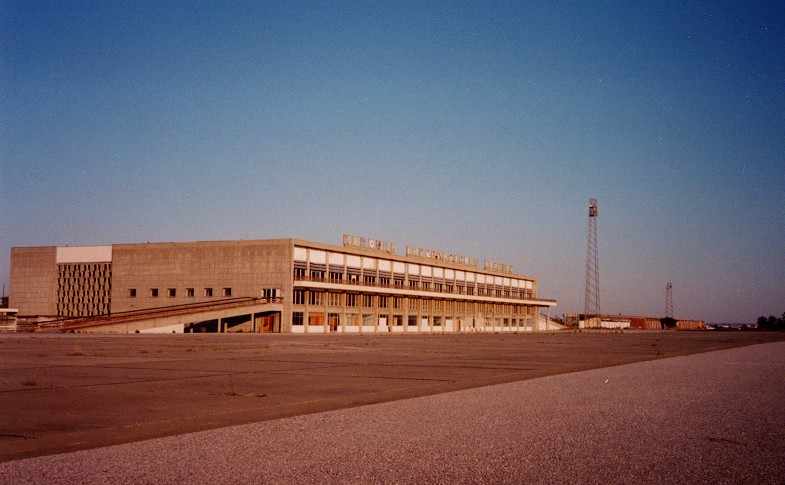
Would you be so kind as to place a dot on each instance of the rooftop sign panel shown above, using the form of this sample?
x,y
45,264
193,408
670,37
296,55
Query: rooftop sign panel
x,y
441,256
497,267
389,248
367,243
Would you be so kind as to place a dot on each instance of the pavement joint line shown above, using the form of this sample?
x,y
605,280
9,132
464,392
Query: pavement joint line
x,y
367,377
183,378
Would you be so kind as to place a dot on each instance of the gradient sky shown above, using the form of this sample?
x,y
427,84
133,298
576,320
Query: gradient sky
x,y
479,128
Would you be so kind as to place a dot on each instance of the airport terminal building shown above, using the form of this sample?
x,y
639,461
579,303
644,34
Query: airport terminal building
x,y
276,285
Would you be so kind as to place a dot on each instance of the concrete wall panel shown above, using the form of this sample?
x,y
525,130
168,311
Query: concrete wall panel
x,y
246,267
34,281
84,254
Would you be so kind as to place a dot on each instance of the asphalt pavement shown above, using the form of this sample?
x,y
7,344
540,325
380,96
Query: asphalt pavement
x,y
716,417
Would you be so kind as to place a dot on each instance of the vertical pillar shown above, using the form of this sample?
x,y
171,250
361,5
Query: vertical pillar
x,y
326,296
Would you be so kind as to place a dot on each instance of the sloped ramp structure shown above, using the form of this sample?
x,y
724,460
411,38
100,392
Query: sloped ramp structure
x,y
250,315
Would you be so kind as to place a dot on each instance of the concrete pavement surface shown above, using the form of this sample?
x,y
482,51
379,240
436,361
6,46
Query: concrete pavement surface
x,y
66,392
716,417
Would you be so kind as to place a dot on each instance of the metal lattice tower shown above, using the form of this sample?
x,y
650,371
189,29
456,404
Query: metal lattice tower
x,y
669,300
592,296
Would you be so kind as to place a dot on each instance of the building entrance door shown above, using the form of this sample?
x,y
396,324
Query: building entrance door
x,y
332,321
268,322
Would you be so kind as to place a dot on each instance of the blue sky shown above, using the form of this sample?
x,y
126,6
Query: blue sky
x,y
479,128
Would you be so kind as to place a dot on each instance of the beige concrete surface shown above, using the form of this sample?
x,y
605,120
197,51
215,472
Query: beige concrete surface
x,y
67,392
708,418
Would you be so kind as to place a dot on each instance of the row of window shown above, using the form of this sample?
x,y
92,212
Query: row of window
x,y
319,298
172,292
334,319
384,282
323,259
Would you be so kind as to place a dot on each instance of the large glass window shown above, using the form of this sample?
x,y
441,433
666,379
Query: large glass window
x,y
299,297
315,318
352,319
297,318
314,297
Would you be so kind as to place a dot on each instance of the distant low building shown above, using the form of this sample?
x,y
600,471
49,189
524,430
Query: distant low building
x,y
8,319
637,322
690,325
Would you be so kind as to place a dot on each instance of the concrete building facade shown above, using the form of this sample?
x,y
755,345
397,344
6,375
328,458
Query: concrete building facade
x,y
318,288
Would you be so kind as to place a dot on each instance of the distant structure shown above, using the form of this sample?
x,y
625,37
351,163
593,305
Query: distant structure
x,y
592,296
276,285
637,322
669,300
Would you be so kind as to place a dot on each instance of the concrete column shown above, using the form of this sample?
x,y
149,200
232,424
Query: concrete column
x,y
405,314
324,304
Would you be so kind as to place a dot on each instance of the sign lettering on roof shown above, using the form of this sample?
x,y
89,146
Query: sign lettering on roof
x,y
388,247
367,243
441,256
497,267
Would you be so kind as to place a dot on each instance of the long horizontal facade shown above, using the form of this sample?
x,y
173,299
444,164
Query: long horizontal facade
x,y
320,287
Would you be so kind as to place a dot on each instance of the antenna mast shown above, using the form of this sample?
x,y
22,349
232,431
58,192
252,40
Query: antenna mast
x,y
592,296
669,300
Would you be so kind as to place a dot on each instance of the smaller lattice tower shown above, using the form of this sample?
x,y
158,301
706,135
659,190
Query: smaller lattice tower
x,y
591,300
669,300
